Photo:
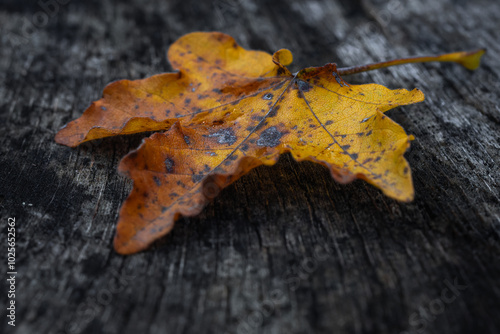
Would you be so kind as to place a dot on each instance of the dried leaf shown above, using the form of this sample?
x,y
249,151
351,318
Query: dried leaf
x,y
228,110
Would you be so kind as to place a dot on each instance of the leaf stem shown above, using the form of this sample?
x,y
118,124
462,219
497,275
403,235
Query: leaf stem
x,y
468,59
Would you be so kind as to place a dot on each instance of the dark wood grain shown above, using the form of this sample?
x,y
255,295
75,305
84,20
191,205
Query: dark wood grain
x,y
285,249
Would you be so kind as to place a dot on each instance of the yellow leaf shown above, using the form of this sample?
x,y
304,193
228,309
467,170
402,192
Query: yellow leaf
x,y
228,110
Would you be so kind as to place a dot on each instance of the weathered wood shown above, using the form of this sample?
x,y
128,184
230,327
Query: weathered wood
x,y
285,249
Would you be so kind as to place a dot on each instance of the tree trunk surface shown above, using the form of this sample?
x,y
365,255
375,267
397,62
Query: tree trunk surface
x,y
285,249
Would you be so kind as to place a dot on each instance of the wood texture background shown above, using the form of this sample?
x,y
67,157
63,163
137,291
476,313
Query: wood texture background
x,y
285,249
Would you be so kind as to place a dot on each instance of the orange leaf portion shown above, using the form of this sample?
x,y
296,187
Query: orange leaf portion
x,y
228,110
175,173
207,63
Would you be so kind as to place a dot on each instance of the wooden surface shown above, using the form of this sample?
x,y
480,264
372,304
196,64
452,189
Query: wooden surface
x,y
285,249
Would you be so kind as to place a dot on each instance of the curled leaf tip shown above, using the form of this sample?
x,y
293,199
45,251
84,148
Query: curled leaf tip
x,y
472,59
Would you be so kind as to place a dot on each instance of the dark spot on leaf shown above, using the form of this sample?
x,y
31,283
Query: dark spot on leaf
x,y
303,86
339,81
354,156
224,136
274,111
269,137
197,177
329,122
157,180
187,140
103,108
268,96
169,165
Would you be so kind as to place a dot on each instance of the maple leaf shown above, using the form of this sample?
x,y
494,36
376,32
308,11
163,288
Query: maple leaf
x,y
228,110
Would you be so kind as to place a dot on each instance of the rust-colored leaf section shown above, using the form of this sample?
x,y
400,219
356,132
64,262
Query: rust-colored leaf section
x,y
228,110
176,173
